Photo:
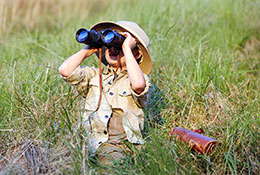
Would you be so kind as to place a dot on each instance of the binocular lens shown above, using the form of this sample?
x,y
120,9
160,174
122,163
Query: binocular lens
x,y
108,38
82,36
98,39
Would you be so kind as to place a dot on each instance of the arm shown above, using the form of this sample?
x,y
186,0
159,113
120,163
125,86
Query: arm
x,y
135,73
69,65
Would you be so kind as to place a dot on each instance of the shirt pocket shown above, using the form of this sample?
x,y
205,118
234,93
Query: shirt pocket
x,y
125,99
124,93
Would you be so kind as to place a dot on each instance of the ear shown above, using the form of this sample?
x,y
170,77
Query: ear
x,y
138,54
139,57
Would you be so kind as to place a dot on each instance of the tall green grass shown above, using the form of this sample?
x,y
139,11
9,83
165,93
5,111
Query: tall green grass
x,y
205,75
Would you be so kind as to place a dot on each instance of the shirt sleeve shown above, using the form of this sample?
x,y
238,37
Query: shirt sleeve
x,y
80,77
142,98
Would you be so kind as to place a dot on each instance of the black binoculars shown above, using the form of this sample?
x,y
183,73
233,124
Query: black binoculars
x,y
107,37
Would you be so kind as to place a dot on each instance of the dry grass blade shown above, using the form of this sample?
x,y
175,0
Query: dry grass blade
x,y
25,158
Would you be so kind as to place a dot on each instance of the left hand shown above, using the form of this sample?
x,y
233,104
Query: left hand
x,y
129,41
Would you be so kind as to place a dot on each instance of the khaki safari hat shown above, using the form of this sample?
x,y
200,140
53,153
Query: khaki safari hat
x,y
136,31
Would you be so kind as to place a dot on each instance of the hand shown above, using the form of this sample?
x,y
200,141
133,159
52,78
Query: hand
x,y
129,41
90,50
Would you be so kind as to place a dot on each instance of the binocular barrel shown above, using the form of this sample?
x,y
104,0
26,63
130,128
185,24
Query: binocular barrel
x,y
112,38
107,37
91,37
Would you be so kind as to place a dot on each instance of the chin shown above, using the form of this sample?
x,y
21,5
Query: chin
x,y
111,62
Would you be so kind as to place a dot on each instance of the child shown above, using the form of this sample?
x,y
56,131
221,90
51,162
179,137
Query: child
x,y
125,85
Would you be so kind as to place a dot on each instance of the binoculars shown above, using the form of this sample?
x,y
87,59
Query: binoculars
x,y
106,37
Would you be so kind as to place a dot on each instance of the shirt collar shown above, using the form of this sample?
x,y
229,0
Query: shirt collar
x,y
106,71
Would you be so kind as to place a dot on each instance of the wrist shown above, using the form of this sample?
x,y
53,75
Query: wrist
x,y
126,49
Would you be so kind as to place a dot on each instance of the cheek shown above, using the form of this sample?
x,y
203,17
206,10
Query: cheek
x,y
107,53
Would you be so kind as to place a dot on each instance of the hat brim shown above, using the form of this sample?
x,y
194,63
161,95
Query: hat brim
x,y
146,63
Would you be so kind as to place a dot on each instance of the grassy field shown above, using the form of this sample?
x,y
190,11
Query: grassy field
x,y
206,69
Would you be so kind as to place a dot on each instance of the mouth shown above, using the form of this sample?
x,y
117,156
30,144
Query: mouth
x,y
112,55
113,52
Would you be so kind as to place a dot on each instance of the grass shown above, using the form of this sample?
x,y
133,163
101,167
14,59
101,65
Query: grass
x,y
205,75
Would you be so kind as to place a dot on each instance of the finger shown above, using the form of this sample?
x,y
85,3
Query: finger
x,y
126,34
123,33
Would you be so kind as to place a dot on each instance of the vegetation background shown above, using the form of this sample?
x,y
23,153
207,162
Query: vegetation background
x,y
205,74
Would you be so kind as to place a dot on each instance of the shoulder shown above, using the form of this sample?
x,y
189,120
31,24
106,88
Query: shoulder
x,y
81,74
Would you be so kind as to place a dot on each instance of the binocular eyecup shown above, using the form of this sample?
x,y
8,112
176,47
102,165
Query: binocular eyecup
x,y
107,37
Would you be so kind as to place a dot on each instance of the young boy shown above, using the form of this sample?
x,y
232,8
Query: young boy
x,y
125,87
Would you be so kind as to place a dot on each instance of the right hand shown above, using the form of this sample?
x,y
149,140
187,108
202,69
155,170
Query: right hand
x,y
90,49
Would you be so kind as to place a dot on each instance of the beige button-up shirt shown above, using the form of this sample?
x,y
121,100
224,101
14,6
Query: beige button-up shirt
x,y
116,94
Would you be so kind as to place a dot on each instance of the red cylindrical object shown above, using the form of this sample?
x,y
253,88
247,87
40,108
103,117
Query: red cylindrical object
x,y
197,141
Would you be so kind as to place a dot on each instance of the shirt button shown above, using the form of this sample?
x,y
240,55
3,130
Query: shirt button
x,y
111,93
110,82
99,142
105,132
124,93
106,116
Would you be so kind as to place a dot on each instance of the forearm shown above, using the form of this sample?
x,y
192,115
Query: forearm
x,y
69,65
134,71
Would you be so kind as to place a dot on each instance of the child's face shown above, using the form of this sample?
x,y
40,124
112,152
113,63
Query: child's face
x,y
112,53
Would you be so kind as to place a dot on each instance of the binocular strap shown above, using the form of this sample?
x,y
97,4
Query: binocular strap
x,y
100,79
100,76
118,63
